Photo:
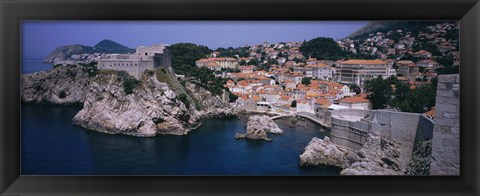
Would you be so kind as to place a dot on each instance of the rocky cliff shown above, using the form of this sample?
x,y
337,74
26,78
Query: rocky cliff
x,y
324,152
150,108
378,156
211,106
62,85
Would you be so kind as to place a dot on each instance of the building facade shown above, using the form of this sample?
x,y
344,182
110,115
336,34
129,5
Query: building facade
x,y
145,57
221,62
359,71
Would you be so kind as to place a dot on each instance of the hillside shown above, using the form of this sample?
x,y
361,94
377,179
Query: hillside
x,y
63,53
385,26
109,46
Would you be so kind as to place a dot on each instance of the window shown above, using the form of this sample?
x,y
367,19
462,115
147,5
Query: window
x,y
146,54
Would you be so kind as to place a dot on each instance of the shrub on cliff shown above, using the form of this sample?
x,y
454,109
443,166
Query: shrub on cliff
x,y
129,84
183,98
91,69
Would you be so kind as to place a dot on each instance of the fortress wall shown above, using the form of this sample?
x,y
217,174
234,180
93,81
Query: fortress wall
x,y
400,127
446,131
403,128
347,133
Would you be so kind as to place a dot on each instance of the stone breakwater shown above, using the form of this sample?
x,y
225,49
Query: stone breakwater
x,y
258,127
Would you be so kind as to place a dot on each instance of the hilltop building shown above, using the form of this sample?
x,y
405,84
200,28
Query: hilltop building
x,y
218,63
145,57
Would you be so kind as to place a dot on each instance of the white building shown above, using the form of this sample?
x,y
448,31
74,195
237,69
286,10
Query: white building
x,y
222,62
322,71
359,71
304,105
144,58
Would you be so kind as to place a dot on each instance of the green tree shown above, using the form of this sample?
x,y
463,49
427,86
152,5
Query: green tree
x,y
306,81
379,92
184,56
232,97
293,104
322,48
355,89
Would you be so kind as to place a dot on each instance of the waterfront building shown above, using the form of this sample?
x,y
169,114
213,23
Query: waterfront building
x,y
305,105
145,57
359,71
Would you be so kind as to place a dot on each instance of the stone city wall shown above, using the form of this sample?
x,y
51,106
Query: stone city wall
x,y
446,131
348,133
403,128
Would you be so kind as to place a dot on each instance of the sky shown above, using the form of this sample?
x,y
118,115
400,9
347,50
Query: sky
x,y
41,37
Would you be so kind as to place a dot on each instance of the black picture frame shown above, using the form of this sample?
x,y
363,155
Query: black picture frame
x,y
12,12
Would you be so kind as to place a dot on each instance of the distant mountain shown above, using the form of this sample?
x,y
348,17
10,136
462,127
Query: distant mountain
x,y
63,53
108,46
385,26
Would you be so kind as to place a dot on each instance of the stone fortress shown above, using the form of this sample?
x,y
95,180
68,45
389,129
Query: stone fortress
x,y
145,57
350,128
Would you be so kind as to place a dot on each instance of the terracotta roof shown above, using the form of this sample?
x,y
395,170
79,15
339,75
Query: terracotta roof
x,y
322,101
317,65
354,100
245,67
423,52
364,62
431,113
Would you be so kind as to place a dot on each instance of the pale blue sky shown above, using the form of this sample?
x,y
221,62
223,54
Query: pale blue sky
x,y
41,37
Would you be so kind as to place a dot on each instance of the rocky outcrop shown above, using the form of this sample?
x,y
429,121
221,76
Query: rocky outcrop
x,y
324,152
62,85
258,127
63,53
211,106
151,108
378,156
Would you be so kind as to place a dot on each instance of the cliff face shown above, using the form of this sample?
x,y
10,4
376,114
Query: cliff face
x,y
378,156
62,85
212,106
151,108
